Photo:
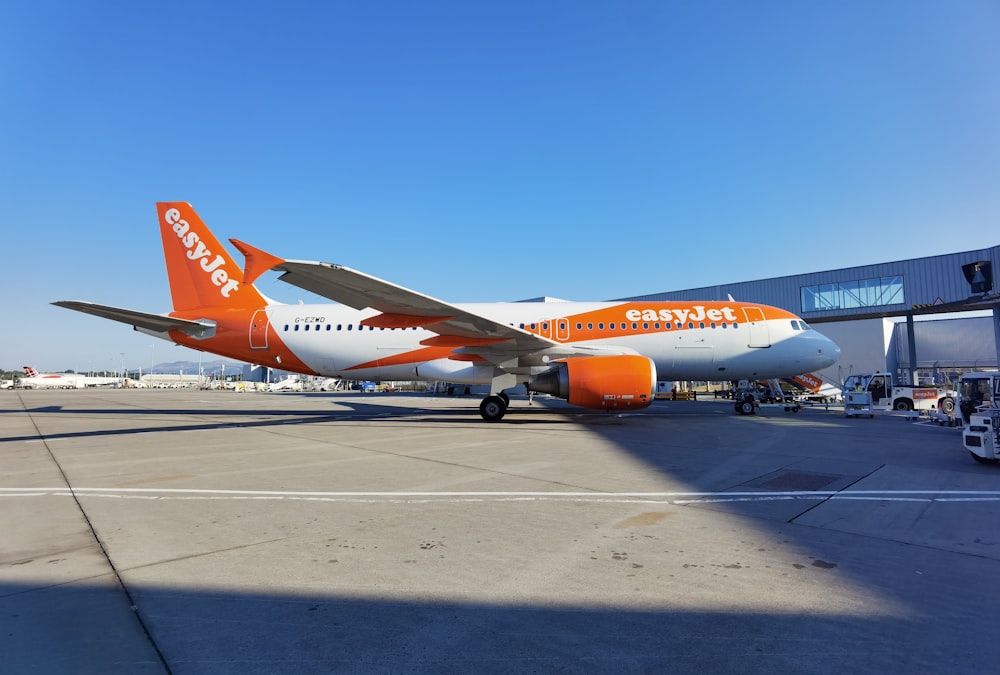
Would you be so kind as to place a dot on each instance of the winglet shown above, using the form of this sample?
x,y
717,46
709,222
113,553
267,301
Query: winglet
x,y
257,261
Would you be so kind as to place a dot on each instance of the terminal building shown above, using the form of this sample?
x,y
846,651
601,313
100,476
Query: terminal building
x,y
876,313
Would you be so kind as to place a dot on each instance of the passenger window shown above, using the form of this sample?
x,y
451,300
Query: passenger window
x,y
600,326
611,326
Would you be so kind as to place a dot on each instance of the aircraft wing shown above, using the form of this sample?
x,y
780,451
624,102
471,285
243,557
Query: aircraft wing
x,y
403,308
153,322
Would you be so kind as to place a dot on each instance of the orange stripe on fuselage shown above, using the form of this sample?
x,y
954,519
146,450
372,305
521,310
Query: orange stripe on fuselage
x,y
640,318
402,320
415,356
455,341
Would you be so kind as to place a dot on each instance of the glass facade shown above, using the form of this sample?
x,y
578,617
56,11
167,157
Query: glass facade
x,y
851,294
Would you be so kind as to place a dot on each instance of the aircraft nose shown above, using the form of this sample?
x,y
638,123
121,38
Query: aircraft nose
x,y
828,351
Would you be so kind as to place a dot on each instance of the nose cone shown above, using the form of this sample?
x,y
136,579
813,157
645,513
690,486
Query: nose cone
x,y
827,351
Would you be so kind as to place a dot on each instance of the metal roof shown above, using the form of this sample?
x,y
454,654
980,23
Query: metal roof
x,y
929,285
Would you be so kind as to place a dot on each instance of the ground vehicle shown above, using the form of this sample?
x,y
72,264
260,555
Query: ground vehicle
x,y
816,388
750,396
889,396
980,406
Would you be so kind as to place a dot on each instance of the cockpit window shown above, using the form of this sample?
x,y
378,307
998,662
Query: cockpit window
x,y
795,325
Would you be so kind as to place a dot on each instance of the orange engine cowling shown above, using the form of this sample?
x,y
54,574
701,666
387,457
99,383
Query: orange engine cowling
x,y
603,382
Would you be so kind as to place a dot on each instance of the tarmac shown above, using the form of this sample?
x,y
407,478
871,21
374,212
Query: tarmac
x,y
186,531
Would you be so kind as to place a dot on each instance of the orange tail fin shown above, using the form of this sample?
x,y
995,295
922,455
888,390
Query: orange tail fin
x,y
200,270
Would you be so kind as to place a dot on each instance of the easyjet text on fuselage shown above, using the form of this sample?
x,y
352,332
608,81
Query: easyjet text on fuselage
x,y
683,314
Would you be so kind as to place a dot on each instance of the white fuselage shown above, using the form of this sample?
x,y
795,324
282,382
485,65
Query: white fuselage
x,y
330,339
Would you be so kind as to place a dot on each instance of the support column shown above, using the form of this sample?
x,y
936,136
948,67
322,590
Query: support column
x,y
996,332
911,340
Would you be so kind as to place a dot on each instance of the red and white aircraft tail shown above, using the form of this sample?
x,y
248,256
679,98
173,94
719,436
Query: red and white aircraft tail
x,y
602,355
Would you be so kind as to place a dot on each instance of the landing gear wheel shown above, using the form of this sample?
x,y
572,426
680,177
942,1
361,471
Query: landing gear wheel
x,y
492,408
506,399
745,407
948,406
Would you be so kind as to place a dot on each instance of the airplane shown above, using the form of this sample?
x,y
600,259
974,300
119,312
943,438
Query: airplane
x,y
597,355
35,380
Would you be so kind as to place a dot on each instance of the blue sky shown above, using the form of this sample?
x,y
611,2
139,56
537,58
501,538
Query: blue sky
x,y
483,151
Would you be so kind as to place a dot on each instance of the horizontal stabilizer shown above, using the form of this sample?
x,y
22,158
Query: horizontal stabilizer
x,y
153,322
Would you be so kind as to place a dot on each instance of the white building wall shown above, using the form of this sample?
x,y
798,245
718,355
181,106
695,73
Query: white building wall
x,y
865,347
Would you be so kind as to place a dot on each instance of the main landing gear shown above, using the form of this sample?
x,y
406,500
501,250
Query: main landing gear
x,y
493,408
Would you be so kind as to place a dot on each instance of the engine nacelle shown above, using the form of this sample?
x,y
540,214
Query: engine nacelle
x,y
624,382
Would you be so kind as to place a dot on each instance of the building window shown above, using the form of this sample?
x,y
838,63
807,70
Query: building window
x,y
853,294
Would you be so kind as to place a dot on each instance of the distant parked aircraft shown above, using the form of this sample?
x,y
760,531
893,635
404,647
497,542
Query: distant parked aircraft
x,y
35,380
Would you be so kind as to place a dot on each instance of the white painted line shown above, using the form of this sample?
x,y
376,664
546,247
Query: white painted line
x,y
677,498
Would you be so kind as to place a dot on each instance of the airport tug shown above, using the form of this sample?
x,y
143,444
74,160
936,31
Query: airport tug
x,y
980,408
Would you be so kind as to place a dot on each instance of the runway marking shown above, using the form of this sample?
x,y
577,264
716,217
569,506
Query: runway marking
x,y
676,498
